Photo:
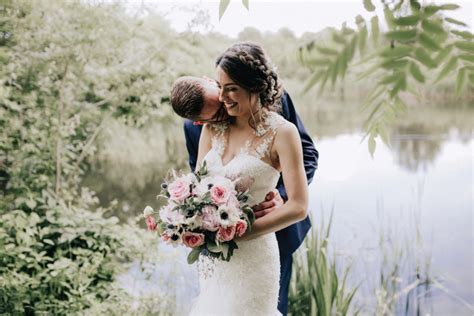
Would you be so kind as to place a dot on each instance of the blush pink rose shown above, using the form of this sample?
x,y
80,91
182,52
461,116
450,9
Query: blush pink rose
x,y
240,228
180,189
225,233
220,194
193,240
150,223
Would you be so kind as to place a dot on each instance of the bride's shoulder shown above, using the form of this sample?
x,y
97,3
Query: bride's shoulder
x,y
285,131
278,123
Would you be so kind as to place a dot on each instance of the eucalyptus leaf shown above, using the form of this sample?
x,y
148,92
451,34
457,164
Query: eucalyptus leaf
x,y
193,256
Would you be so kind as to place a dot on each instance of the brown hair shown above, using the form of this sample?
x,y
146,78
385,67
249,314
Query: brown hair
x,y
249,67
187,97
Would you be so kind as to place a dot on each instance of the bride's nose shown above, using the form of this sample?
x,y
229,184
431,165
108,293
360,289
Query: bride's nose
x,y
221,95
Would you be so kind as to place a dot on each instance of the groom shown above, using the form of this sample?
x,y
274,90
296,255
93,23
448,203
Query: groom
x,y
197,100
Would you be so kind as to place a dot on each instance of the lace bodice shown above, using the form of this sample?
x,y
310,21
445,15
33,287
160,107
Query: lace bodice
x,y
251,161
248,284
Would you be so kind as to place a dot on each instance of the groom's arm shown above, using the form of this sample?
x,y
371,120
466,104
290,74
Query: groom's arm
x,y
310,154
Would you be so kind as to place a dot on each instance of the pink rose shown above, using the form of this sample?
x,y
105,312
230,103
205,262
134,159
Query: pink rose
x,y
193,240
180,189
209,218
150,223
225,234
219,194
240,228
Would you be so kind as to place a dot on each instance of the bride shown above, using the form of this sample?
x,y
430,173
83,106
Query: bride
x,y
255,144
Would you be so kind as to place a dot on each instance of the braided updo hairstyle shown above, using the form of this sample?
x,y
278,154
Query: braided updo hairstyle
x,y
248,66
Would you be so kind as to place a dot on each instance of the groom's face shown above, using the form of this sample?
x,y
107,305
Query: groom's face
x,y
212,111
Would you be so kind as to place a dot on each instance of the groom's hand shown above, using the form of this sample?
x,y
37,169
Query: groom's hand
x,y
272,201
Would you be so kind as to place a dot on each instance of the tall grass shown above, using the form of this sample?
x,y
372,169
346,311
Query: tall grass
x,y
316,287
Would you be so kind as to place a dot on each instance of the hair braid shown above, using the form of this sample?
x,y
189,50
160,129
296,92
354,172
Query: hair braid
x,y
248,66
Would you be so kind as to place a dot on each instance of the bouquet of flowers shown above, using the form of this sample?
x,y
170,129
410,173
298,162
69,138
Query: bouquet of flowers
x,y
203,212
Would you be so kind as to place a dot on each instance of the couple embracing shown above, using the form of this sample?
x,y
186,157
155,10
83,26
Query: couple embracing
x,y
243,124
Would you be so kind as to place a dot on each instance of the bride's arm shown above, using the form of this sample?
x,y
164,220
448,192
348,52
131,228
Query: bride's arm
x,y
288,147
205,143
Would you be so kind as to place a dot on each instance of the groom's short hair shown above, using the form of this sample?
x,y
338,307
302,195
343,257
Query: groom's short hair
x,y
187,97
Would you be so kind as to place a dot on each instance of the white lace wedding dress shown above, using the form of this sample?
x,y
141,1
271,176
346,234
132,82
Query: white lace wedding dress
x,y
249,283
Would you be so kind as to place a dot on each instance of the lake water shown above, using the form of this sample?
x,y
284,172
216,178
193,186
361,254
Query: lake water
x,y
417,194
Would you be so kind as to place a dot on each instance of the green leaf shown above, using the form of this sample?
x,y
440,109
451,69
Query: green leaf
x,y
454,21
213,247
48,241
395,64
362,39
410,20
371,143
416,72
326,50
368,5
452,63
432,27
449,6
466,57
374,25
401,35
430,10
423,57
428,42
397,52
359,21
460,81
223,4
471,78
389,18
246,4
443,54
194,255
415,5
392,78
463,34
338,38
400,85
465,46
313,80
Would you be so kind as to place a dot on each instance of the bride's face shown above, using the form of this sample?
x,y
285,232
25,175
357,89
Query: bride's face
x,y
237,100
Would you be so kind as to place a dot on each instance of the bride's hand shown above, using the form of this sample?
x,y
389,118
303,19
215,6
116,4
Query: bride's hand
x,y
273,200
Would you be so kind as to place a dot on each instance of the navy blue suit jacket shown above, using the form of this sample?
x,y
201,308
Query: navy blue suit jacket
x,y
291,237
